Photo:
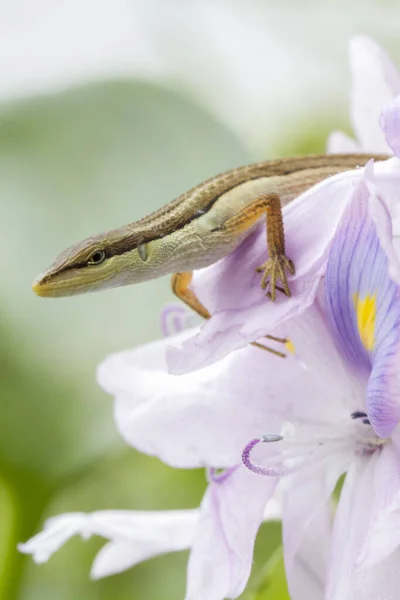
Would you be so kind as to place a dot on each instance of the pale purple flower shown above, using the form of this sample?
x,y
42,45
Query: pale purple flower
x,y
332,406
319,402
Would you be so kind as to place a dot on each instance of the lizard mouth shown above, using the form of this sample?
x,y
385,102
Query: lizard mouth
x,y
45,287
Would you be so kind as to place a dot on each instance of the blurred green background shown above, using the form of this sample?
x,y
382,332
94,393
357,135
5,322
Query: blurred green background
x,y
74,163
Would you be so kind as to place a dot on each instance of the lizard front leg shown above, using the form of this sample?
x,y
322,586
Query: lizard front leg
x,y
275,268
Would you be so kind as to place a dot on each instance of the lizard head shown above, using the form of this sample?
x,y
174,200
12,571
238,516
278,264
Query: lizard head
x,y
99,262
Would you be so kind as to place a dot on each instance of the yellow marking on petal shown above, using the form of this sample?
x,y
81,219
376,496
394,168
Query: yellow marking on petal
x,y
366,315
290,347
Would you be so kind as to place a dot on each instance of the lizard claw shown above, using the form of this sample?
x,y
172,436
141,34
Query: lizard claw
x,y
274,269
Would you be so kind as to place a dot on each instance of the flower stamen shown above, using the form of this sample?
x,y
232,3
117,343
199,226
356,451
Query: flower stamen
x,y
358,414
271,437
248,463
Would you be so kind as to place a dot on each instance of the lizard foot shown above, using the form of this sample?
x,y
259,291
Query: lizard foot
x,y
274,269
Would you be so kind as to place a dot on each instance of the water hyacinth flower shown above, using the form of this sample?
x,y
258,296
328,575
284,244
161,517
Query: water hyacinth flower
x,y
316,408
330,407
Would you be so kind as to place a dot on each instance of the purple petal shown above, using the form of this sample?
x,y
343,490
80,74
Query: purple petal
x,y
363,306
390,123
222,554
176,318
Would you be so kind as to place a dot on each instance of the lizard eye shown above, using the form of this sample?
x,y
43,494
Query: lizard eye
x,y
96,257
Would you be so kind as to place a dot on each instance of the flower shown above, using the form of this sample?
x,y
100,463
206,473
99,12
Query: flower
x,y
318,409
230,289
332,406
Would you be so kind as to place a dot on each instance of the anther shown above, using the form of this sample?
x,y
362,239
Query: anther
x,y
358,414
271,437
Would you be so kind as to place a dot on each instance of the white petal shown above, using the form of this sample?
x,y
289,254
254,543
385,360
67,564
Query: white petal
x,y
57,531
195,420
379,582
306,573
145,365
116,557
384,185
208,417
390,123
383,526
273,510
339,143
375,82
135,536
351,521
222,553
308,500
